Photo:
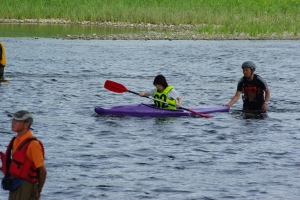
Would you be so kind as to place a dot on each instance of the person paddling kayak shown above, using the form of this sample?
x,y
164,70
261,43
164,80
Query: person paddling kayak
x,y
163,92
256,93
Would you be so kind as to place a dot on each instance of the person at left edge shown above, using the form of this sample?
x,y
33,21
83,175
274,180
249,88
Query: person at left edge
x,y
25,168
163,92
2,61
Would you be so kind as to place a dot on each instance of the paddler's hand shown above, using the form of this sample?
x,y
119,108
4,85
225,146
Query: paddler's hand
x,y
142,94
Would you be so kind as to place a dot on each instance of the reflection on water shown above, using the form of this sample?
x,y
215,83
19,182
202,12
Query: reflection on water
x,y
50,30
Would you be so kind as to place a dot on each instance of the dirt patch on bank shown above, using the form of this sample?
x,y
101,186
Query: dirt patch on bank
x,y
152,31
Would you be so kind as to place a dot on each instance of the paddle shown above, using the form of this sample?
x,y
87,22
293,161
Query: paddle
x,y
119,88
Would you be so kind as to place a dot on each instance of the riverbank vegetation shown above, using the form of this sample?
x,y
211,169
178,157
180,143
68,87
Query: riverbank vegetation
x,y
251,17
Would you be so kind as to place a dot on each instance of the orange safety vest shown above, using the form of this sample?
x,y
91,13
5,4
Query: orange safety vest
x,y
19,166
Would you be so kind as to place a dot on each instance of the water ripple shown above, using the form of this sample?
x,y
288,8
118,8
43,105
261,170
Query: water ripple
x,y
119,157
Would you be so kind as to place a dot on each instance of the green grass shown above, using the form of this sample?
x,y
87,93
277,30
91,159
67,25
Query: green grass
x,y
253,17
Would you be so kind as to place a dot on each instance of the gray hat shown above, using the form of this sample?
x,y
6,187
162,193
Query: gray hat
x,y
22,115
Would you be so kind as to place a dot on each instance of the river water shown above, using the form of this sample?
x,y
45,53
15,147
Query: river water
x,y
114,157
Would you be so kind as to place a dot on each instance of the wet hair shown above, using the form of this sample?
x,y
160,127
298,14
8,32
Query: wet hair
x,y
161,80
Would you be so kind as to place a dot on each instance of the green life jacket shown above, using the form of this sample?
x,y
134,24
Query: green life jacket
x,y
163,96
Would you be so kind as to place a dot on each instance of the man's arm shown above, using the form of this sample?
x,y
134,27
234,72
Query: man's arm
x,y
234,99
267,97
268,94
42,178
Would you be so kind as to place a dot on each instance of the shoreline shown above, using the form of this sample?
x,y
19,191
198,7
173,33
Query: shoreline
x,y
149,31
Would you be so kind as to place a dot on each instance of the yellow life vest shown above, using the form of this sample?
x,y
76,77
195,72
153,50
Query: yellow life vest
x,y
2,55
164,97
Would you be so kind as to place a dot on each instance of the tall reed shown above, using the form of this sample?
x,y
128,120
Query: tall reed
x,y
254,17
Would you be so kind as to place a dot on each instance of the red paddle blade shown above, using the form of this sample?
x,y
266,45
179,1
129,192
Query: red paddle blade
x,y
206,115
115,87
200,114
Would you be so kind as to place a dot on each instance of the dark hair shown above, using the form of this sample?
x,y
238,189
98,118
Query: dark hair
x,y
161,80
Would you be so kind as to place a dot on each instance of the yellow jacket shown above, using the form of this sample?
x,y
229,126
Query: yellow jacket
x,y
2,55
164,97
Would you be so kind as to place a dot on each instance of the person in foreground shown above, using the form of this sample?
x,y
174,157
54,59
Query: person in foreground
x,y
2,61
163,92
256,93
23,163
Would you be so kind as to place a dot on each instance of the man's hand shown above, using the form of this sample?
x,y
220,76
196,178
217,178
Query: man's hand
x,y
265,107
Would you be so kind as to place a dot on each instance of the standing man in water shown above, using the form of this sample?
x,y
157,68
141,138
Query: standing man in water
x,y
2,61
256,93
23,163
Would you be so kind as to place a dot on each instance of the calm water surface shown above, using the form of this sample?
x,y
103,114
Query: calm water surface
x,y
110,157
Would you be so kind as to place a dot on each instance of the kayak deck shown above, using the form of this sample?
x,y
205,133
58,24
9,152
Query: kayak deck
x,y
149,110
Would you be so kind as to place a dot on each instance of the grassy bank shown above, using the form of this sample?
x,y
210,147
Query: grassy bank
x,y
252,17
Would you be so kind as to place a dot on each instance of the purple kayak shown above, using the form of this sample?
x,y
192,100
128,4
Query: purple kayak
x,y
141,110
